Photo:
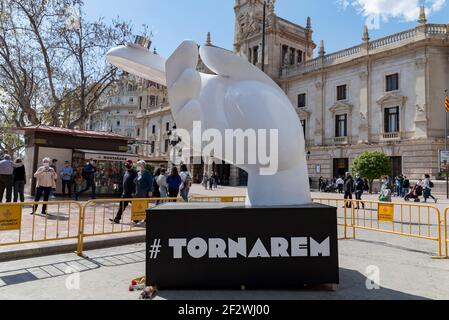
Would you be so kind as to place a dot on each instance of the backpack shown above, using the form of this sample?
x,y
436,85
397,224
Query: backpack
x,y
88,172
188,182
366,187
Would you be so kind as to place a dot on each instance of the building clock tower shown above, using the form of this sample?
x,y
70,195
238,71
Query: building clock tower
x,y
286,43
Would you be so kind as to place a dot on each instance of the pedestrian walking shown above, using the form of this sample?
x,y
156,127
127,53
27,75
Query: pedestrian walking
x,y
399,183
340,185
162,183
367,186
78,181
67,179
406,187
45,178
156,192
211,183
144,181
205,182
19,182
129,190
348,189
320,184
174,183
7,177
186,183
386,190
428,186
216,179
54,166
359,189
88,175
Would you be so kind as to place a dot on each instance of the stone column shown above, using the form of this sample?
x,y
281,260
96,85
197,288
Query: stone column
x,y
363,136
421,110
319,125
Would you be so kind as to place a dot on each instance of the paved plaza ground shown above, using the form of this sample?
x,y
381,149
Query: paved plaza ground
x,y
404,273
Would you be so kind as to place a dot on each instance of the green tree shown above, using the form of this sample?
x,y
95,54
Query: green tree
x,y
372,165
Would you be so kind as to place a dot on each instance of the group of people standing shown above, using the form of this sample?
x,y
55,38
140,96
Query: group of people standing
x,y
12,179
141,183
340,184
400,187
138,182
351,186
212,182
423,188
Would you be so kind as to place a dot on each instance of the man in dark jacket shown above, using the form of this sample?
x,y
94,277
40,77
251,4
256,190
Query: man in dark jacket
x,y
359,189
129,189
88,174
19,182
348,188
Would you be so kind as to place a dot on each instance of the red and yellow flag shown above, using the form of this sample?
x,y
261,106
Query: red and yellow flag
x,y
447,103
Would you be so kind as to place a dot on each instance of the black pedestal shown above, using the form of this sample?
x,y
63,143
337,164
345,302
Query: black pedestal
x,y
226,246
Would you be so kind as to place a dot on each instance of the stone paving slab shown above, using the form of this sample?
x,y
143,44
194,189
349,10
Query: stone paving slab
x,y
404,274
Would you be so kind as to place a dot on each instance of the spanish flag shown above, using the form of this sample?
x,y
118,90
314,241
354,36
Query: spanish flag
x,y
447,104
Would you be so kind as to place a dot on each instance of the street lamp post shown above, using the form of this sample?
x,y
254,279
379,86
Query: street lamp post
x,y
264,33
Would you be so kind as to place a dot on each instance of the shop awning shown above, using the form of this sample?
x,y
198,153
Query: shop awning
x,y
108,156
73,132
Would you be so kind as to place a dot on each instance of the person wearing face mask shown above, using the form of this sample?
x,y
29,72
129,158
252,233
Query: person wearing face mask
x,y
143,181
88,175
129,189
386,190
67,179
45,177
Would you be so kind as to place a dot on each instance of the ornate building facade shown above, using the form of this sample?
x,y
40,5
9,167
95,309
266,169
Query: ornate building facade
x,y
385,94
117,109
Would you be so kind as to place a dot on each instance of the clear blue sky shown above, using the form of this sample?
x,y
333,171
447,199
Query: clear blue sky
x,y
339,22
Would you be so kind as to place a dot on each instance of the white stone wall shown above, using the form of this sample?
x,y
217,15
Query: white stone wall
x,y
423,77
357,78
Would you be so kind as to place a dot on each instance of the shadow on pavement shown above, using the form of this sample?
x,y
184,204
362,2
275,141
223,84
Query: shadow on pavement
x,y
80,265
399,247
352,287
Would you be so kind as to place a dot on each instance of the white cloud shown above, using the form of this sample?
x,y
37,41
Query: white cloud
x,y
407,10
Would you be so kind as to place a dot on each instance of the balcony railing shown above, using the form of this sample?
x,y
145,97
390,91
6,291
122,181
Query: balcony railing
x,y
341,140
430,31
391,136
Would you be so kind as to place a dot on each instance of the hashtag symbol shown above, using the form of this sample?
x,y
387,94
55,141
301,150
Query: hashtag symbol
x,y
155,249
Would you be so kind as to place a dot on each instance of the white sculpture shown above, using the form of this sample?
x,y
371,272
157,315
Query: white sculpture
x,y
239,96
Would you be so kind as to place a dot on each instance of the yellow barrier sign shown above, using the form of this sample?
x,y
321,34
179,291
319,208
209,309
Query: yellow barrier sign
x,y
10,217
227,199
139,210
386,212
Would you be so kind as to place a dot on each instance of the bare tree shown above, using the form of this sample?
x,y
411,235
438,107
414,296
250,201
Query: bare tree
x,y
53,59
19,82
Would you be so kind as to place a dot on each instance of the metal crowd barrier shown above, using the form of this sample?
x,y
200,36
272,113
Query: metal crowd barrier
x,y
223,199
70,220
96,217
18,226
403,219
343,213
446,233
